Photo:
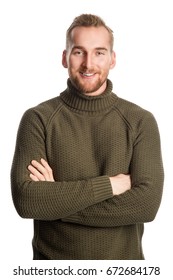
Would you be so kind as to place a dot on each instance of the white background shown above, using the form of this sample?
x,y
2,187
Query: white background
x,y
32,38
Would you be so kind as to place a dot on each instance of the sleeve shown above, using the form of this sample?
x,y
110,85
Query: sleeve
x,y
141,203
48,200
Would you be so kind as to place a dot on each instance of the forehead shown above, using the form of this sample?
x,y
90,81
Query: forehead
x,y
90,36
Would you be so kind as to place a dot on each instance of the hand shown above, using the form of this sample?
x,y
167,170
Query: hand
x,y
120,183
40,171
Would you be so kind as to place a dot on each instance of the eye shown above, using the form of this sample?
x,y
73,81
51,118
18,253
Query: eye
x,y
78,52
99,53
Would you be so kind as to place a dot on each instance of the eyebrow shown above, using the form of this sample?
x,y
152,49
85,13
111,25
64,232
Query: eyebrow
x,y
98,48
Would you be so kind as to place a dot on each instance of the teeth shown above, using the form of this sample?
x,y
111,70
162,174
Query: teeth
x,y
87,74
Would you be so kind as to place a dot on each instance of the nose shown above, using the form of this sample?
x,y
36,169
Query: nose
x,y
88,61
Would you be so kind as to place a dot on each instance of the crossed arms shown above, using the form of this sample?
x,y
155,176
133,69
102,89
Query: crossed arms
x,y
101,201
41,171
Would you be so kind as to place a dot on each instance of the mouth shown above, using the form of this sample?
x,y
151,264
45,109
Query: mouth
x,y
87,75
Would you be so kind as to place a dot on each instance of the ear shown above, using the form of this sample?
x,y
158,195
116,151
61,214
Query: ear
x,y
64,59
113,60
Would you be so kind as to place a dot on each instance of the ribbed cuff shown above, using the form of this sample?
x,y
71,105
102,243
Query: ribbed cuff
x,y
102,191
102,188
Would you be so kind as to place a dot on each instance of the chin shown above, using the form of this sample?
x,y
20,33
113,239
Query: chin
x,y
90,88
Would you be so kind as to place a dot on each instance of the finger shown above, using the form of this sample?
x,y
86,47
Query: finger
x,y
38,166
46,165
42,170
36,173
33,178
49,174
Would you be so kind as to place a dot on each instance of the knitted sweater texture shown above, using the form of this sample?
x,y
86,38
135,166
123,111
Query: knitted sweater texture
x,y
86,140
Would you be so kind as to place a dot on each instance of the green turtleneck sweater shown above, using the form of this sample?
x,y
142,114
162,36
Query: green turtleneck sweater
x,y
86,140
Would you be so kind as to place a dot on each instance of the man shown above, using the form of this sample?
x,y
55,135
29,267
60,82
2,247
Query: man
x,y
87,166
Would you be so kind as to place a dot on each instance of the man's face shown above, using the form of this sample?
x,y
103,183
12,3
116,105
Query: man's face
x,y
89,59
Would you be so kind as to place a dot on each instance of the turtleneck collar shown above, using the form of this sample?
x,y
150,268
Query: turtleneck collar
x,y
81,102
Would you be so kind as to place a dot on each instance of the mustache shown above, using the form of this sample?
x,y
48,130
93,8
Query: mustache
x,y
87,70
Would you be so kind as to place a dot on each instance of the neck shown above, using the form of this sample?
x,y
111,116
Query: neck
x,y
79,101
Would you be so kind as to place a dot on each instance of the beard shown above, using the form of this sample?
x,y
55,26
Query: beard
x,y
87,85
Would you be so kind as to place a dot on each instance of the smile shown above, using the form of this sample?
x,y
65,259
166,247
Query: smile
x,y
87,74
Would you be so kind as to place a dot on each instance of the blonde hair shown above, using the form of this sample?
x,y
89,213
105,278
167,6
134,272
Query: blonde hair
x,y
88,20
